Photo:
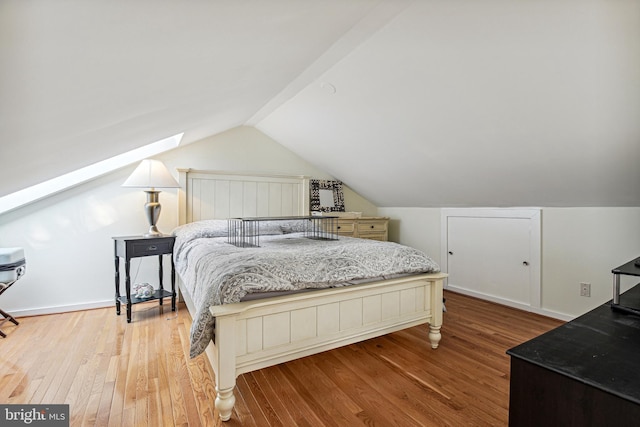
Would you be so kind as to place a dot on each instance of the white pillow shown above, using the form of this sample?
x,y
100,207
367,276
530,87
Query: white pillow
x,y
220,228
205,228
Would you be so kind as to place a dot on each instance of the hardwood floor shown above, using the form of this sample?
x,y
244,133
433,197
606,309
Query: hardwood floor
x,y
116,374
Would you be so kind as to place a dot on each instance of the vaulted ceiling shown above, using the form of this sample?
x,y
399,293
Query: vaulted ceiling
x,y
410,103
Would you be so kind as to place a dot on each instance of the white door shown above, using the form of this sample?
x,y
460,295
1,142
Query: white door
x,y
494,257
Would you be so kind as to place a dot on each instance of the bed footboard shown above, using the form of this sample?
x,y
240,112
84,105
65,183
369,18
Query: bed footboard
x,y
257,334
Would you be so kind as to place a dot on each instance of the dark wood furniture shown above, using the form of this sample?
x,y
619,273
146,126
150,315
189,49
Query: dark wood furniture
x,y
127,247
583,373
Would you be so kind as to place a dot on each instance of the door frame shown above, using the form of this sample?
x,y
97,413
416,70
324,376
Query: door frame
x,y
535,245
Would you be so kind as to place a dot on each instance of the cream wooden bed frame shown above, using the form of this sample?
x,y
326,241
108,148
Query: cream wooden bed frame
x,y
256,334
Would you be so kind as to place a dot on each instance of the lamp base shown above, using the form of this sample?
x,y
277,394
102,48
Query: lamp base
x,y
153,232
152,211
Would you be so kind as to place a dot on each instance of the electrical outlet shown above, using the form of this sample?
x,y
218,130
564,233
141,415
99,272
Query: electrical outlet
x,y
585,289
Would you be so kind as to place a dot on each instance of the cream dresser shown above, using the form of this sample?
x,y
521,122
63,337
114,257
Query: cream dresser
x,y
366,227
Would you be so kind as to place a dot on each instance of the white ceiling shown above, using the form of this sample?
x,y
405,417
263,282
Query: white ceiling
x,y
410,103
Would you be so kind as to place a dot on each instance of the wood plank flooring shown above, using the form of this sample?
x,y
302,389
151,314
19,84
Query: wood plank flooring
x,y
116,374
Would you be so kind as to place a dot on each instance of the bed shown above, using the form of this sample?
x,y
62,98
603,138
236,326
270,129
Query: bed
x,y
239,333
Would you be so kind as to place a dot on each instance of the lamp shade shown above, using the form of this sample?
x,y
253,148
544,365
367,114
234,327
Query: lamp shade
x,y
151,174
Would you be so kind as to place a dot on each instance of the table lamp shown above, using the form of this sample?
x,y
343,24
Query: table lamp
x,y
151,174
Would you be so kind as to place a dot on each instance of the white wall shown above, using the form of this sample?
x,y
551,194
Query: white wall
x,y
578,245
584,245
67,237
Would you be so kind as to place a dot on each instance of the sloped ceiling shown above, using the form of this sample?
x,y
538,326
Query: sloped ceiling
x,y
410,103
481,103
81,81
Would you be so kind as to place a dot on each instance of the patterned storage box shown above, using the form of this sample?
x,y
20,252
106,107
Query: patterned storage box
x,y
12,264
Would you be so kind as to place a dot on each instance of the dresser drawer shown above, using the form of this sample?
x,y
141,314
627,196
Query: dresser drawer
x,y
365,227
346,228
150,247
375,236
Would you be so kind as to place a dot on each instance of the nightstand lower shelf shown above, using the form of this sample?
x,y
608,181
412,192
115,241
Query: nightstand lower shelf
x,y
159,294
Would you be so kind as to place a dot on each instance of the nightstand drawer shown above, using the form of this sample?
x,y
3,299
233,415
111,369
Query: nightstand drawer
x,y
151,247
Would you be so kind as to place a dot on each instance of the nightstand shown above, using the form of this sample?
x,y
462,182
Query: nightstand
x,y
128,247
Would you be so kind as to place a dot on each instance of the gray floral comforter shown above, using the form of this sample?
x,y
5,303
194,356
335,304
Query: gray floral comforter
x,y
215,272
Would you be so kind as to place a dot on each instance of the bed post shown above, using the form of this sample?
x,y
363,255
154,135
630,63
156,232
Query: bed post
x,y
182,195
436,311
304,201
226,365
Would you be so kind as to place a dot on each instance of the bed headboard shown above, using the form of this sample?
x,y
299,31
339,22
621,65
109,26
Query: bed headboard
x,y
221,195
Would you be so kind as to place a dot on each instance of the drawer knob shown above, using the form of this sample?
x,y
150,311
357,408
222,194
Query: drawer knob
x,y
152,248
339,227
372,226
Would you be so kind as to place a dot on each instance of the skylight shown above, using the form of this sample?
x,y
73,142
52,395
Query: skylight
x,y
71,179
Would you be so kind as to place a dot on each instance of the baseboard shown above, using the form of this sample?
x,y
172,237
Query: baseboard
x,y
110,303
509,303
62,308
